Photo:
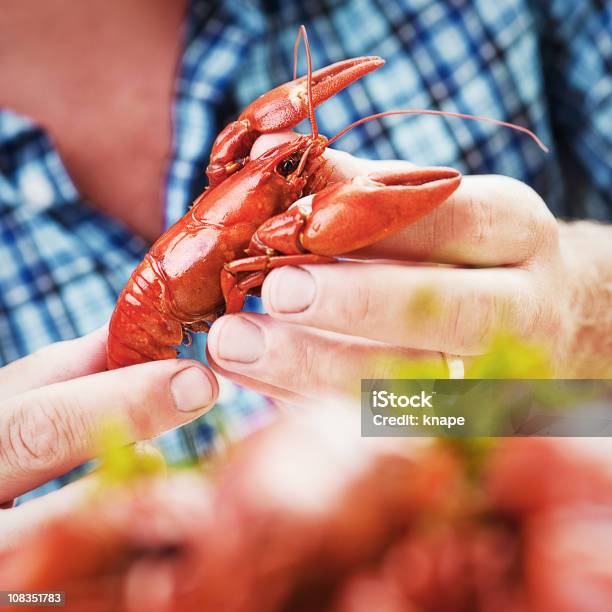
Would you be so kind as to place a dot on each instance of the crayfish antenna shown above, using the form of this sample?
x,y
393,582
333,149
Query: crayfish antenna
x,y
302,34
513,126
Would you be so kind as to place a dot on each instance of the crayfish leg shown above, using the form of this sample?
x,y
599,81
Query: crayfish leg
x,y
204,324
241,276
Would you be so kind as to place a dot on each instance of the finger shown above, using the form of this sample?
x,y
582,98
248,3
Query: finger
x,y
488,221
436,309
268,141
302,360
55,363
270,391
47,431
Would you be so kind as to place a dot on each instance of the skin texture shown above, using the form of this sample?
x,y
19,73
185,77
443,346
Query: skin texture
x,y
177,287
53,402
532,282
543,278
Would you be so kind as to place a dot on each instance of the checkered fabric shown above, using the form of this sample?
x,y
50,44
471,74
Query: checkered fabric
x,y
544,65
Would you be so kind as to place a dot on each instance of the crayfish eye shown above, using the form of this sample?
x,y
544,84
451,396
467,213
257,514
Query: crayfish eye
x,y
287,165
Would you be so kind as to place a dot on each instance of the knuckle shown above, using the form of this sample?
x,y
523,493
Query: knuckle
x,y
544,230
470,322
541,226
478,221
359,305
441,228
38,434
308,363
292,361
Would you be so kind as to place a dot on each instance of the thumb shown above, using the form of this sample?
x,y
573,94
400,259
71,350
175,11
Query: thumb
x,y
45,432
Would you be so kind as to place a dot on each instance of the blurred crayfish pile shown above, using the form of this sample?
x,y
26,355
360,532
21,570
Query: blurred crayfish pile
x,y
306,515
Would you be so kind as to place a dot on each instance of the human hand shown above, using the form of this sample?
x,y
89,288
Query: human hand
x,y
331,325
53,403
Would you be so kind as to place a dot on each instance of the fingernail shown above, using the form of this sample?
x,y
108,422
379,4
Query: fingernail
x,y
293,290
239,340
191,389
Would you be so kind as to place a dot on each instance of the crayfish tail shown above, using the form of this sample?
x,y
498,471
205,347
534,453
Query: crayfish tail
x,y
140,329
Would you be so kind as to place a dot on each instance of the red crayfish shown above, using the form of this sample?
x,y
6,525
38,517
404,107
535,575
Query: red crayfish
x,y
243,224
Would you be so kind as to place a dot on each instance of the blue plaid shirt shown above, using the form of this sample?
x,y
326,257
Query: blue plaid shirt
x,y
547,66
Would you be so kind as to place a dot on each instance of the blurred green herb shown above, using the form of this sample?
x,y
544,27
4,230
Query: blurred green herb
x,y
122,462
509,356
